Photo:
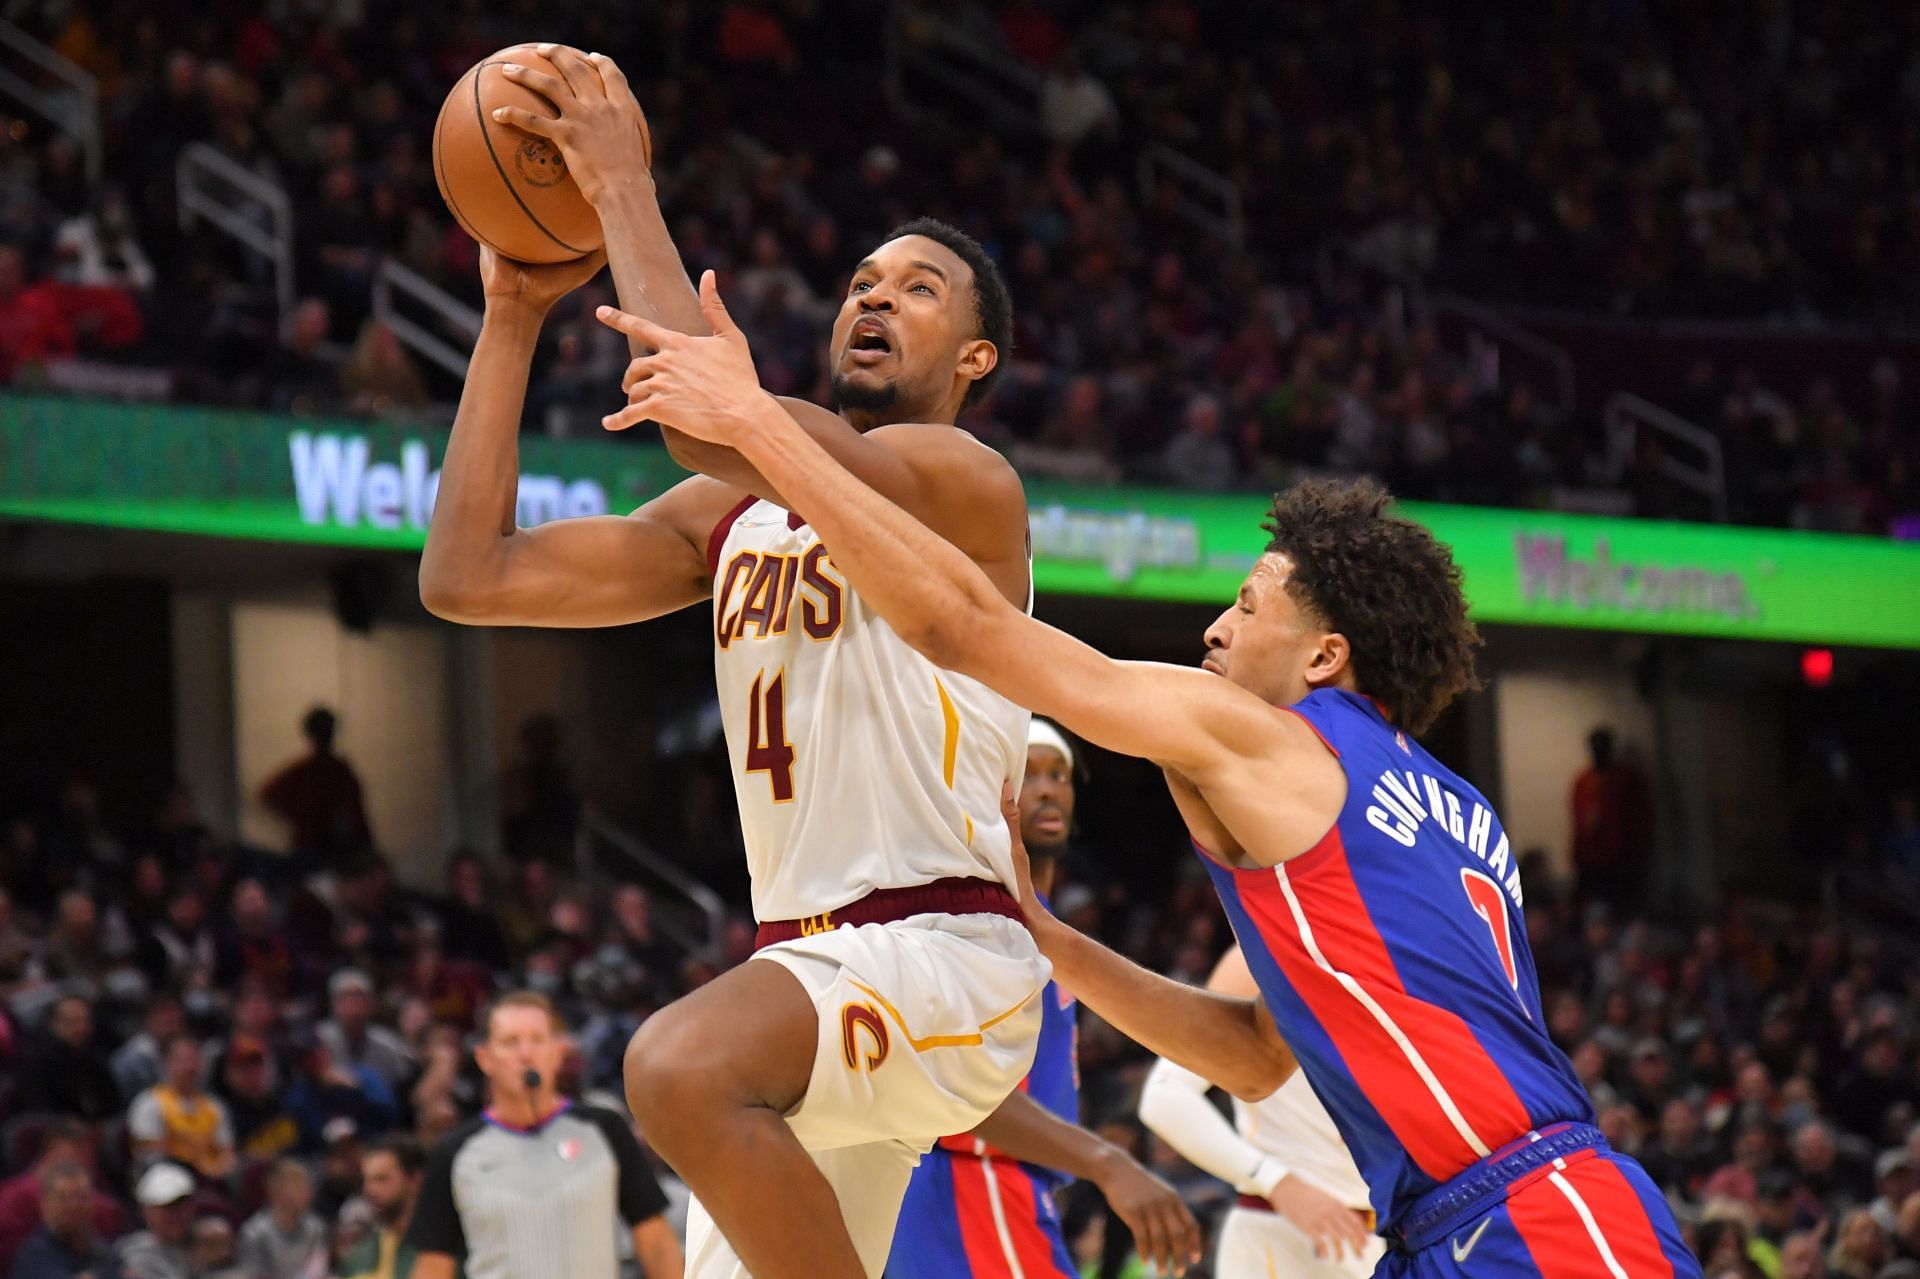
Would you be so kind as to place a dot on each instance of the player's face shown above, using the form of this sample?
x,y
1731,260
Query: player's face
x,y
907,337
520,1039
1266,643
1046,799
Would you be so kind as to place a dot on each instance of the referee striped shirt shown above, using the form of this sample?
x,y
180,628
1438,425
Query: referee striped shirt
x,y
535,1203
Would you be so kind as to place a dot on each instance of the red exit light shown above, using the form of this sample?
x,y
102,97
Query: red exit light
x,y
1816,667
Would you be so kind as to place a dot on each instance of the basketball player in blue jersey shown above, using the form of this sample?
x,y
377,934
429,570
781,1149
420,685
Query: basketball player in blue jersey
x,y
982,1204
1372,890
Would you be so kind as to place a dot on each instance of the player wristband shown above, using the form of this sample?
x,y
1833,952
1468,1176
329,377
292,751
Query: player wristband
x,y
1266,1174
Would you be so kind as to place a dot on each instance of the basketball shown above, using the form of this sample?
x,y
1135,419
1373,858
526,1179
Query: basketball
x,y
507,189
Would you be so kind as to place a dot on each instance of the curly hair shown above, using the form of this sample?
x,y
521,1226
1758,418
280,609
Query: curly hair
x,y
1386,584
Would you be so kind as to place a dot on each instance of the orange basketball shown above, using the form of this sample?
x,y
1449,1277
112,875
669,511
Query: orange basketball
x,y
508,189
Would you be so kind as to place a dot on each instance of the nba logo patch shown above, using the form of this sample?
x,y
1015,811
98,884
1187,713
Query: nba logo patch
x,y
1400,740
569,1148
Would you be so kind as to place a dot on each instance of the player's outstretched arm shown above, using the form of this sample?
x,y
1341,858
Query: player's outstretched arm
x,y
1164,1231
1174,1105
940,475
1230,1039
934,594
602,570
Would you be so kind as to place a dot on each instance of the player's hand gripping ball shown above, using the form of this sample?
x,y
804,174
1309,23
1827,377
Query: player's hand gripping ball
x,y
528,139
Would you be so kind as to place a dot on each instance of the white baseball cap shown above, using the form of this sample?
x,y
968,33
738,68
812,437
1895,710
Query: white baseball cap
x,y
163,1184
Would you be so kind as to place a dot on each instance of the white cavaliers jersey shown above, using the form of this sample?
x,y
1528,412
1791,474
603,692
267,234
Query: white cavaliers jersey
x,y
858,763
1291,1125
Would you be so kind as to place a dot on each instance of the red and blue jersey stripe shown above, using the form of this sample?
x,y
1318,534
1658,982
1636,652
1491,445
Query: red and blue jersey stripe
x,y
1395,962
970,1210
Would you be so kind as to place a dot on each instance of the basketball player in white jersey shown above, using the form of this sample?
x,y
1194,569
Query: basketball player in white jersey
x,y
1303,1207
893,1000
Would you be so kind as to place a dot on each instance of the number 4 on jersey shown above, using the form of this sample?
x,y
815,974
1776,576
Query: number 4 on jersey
x,y
1489,902
768,750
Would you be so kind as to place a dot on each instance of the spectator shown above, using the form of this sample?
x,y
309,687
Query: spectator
x,y
67,1142
34,329
98,250
355,1039
380,378
179,952
1876,1085
325,1092
1860,1247
165,1196
1073,445
1199,457
63,1074
263,1127
1651,1083
1680,1158
319,797
66,1245
1824,1169
254,948
139,1063
539,802
179,1121
469,929
284,1240
1895,1181
304,377
390,1180
526,914
210,1250
1612,825
1074,104
1800,1257
76,948
454,990
1907,1232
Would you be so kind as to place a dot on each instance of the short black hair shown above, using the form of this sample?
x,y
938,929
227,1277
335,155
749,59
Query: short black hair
x,y
1388,585
992,304
406,1151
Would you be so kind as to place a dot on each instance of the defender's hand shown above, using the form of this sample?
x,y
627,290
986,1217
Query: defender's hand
x,y
1336,1230
507,282
1164,1231
704,386
597,122
1039,918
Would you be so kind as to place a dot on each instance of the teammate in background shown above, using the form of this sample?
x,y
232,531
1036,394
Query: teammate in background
x,y
983,1203
1303,1205
1371,888
868,782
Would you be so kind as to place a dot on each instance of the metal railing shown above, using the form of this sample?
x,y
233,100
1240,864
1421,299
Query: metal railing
x,y
1488,325
1626,415
73,106
707,906
1205,197
393,282
924,48
251,210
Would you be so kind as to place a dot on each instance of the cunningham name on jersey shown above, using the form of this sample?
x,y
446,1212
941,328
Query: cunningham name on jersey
x,y
857,763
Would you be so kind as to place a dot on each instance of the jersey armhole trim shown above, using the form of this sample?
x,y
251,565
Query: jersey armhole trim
x,y
1311,727
718,538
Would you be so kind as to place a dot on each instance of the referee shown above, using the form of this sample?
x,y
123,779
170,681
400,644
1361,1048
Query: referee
x,y
536,1187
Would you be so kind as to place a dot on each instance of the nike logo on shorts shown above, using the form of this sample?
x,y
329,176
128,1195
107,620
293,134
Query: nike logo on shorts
x,y
1460,1254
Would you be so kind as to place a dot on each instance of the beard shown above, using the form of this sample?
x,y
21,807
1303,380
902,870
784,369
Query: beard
x,y
864,397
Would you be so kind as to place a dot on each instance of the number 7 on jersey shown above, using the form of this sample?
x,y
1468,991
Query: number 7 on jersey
x,y
768,750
